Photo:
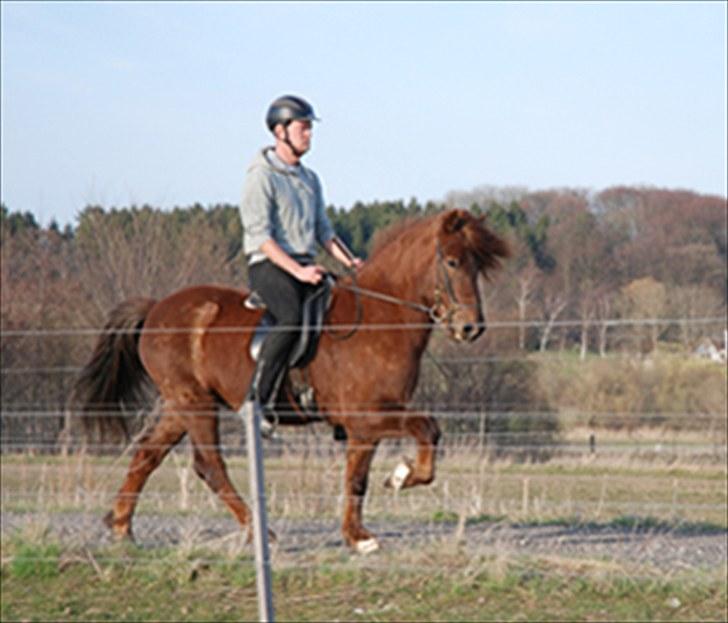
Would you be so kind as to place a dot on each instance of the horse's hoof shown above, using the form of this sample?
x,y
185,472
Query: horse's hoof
x,y
125,536
272,536
367,546
109,520
400,474
119,534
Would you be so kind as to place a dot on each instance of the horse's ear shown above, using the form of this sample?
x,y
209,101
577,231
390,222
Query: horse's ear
x,y
453,222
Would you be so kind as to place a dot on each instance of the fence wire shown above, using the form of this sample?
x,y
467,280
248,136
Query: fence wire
x,y
364,326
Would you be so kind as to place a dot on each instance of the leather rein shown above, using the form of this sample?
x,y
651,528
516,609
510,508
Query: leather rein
x,y
443,278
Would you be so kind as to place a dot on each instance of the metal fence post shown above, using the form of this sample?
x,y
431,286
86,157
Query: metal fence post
x,y
260,517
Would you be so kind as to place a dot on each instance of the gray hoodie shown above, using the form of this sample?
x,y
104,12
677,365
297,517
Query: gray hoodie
x,y
284,203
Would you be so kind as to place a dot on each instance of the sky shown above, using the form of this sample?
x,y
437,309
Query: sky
x,y
116,103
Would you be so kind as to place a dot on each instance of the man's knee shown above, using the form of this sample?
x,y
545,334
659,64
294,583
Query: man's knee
x,y
290,316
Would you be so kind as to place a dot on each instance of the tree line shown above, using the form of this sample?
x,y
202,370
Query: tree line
x,y
629,253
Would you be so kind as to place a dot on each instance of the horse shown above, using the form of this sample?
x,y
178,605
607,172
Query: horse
x,y
193,347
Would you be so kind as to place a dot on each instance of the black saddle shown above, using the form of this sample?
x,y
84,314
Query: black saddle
x,y
315,306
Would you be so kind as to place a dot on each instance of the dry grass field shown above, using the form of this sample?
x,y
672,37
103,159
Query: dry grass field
x,y
666,474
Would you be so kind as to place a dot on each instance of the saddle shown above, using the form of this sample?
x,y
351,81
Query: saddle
x,y
315,306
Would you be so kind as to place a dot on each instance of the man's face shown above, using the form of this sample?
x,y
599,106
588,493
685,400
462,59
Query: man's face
x,y
299,133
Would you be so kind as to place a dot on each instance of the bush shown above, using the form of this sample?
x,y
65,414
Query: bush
x,y
666,390
497,404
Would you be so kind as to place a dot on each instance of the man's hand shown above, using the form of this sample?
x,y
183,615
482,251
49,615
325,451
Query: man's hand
x,y
308,274
311,274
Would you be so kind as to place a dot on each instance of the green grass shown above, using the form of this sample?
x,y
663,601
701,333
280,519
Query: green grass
x,y
35,561
126,584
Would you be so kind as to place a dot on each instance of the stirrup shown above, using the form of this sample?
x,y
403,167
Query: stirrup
x,y
267,429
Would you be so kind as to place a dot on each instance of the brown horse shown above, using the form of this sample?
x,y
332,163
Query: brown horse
x,y
193,345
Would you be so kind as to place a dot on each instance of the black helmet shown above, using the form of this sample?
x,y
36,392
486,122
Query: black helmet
x,y
289,108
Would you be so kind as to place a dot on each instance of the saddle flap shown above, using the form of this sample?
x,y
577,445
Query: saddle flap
x,y
261,331
314,310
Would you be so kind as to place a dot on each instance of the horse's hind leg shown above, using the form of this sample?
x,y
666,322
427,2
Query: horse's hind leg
x,y
210,466
151,450
427,434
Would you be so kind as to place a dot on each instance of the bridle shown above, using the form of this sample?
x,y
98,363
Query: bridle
x,y
443,285
455,305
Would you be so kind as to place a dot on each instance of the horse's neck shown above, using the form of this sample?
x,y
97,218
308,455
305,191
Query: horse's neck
x,y
403,271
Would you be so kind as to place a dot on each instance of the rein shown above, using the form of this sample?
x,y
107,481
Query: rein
x,y
373,294
430,311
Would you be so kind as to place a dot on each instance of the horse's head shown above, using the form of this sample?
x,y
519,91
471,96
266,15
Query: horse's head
x,y
466,252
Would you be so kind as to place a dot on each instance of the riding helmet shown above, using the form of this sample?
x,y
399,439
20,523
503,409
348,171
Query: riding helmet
x,y
289,108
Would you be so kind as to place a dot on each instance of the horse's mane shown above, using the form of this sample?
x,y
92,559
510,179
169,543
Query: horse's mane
x,y
382,237
487,248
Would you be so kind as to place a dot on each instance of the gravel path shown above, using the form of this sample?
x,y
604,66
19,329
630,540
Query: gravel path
x,y
657,547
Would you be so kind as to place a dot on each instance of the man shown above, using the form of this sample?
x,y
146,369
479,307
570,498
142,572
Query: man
x,y
283,222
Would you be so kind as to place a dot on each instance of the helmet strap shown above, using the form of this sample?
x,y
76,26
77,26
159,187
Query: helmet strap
x,y
296,152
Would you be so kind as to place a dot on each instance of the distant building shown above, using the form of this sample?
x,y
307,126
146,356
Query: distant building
x,y
708,350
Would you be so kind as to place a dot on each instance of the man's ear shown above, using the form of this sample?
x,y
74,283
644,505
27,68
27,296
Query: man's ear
x,y
454,221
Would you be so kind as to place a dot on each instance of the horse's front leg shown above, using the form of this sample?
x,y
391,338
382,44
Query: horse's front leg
x,y
426,432
359,455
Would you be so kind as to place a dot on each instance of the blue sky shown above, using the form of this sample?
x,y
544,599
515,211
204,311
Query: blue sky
x,y
163,103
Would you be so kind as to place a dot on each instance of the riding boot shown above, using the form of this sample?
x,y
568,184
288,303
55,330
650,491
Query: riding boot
x,y
283,295
268,419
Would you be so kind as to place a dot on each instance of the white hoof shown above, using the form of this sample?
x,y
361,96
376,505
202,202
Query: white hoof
x,y
399,476
367,546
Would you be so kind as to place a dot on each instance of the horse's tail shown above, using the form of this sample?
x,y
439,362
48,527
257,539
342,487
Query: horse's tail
x,y
114,380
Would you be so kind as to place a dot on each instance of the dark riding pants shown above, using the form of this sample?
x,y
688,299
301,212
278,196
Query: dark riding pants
x,y
283,294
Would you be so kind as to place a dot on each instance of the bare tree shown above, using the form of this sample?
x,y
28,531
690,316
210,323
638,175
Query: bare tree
x,y
553,304
604,312
688,303
146,256
646,300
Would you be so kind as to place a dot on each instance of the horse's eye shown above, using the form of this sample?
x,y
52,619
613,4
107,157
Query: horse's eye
x,y
452,262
